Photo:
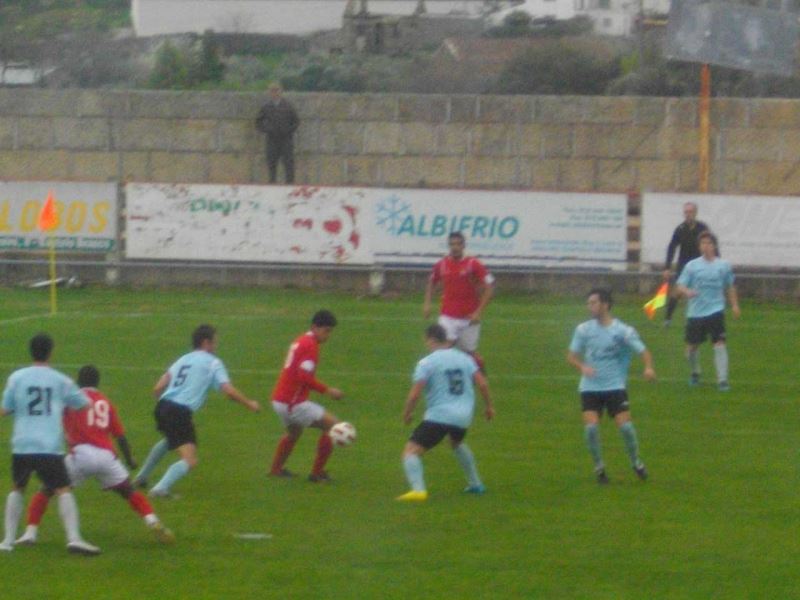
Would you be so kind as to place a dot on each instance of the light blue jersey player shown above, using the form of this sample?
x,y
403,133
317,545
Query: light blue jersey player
x,y
601,351
180,392
706,281
447,377
36,396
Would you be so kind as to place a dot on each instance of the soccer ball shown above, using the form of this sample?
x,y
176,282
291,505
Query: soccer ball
x,y
342,434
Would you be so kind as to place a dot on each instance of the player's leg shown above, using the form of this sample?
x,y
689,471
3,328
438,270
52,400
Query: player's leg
x,y
468,337
177,470
716,326
695,335
141,505
466,459
283,450
36,509
157,452
622,417
21,470
592,406
425,436
324,447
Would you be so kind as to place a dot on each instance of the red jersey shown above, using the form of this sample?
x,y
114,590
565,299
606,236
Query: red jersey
x,y
297,378
461,284
95,425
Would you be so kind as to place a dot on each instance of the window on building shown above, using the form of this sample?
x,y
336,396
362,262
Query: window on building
x,y
604,4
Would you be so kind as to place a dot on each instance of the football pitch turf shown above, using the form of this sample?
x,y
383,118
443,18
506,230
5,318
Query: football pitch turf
x,y
717,519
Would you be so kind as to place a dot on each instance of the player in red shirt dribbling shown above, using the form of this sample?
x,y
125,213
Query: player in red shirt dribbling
x,y
467,287
91,454
291,403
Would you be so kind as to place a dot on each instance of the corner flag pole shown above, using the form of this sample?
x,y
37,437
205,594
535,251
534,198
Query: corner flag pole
x,y
48,220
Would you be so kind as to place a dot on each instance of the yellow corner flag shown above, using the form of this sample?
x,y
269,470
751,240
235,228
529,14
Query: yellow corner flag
x,y
659,300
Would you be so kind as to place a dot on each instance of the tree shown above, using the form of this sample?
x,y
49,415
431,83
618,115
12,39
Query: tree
x,y
171,70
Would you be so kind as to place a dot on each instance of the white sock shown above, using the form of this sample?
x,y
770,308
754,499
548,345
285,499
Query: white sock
x,y
151,520
721,362
68,510
694,362
15,504
32,531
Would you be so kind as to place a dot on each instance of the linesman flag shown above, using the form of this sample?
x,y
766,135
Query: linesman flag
x,y
659,300
47,218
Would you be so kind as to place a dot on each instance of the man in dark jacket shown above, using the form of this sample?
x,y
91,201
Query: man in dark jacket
x,y
278,120
685,238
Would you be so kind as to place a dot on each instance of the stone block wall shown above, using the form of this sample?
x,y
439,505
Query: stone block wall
x,y
509,142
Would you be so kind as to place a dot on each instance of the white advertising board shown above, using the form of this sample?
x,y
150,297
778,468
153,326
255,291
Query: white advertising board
x,y
503,228
245,223
86,213
757,231
373,226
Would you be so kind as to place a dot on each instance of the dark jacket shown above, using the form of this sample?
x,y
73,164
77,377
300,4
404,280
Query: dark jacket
x,y
685,238
278,120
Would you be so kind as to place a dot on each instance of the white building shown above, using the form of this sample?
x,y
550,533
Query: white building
x,y
295,17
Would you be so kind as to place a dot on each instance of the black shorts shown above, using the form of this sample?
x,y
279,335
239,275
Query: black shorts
x,y
428,434
699,327
175,422
614,402
50,469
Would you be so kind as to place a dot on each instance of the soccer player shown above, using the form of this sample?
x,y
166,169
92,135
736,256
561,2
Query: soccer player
x,y
181,392
92,454
684,237
467,287
290,399
601,350
705,282
447,376
37,396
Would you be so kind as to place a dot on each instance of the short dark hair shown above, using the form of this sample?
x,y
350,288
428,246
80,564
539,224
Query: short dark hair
x,y
456,235
709,235
603,294
436,333
88,376
323,318
41,346
202,333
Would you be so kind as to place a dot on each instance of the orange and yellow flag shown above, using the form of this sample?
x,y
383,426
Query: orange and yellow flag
x,y
659,300
47,218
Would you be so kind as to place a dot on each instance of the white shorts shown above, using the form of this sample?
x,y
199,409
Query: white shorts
x,y
304,414
86,461
460,331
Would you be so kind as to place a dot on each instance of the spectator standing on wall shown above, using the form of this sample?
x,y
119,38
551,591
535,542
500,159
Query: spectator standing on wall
x,y
684,237
278,120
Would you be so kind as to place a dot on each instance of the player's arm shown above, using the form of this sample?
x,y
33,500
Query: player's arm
x,y
483,385
161,385
426,305
487,291
306,374
671,247
733,298
414,394
231,392
649,372
574,359
125,450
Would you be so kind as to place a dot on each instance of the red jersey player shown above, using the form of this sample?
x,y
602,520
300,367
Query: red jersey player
x,y
467,287
89,434
291,403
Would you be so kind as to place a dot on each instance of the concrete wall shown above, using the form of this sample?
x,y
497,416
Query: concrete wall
x,y
552,143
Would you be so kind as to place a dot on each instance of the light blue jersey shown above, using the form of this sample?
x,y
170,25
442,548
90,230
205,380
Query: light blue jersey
x,y
608,351
192,376
449,392
710,279
37,396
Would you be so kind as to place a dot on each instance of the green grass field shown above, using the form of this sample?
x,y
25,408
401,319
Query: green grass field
x,y
717,519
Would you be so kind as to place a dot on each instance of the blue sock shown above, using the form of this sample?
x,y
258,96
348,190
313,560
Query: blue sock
x,y
157,452
175,472
467,461
628,432
592,434
412,465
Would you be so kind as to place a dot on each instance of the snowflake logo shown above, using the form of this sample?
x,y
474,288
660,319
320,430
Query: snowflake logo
x,y
391,213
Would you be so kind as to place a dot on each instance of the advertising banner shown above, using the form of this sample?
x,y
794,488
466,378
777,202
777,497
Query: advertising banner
x,y
86,216
373,226
246,223
757,231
